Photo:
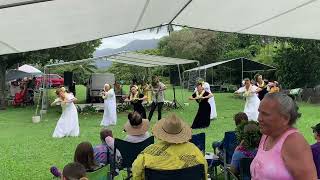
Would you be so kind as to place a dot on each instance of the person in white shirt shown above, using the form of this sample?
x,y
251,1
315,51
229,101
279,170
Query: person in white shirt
x,y
249,91
110,106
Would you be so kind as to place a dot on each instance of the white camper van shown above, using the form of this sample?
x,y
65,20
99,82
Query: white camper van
x,y
95,86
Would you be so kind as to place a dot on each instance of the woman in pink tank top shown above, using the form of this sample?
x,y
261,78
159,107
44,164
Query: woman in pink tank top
x,y
283,152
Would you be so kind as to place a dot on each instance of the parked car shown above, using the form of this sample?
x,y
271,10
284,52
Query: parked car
x,y
95,86
53,80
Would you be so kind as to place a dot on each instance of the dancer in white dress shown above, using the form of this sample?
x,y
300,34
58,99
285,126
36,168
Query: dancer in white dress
x,y
68,124
110,106
249,91
211,101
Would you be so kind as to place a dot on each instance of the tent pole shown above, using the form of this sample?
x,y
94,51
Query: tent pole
x,y
44,90
180,78
205,74
241,69
212,77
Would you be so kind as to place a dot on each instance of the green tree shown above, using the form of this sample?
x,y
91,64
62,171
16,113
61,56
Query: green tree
x,y
41,57
298,63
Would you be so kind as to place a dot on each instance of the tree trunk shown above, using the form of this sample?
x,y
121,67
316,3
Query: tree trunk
x,y
2,87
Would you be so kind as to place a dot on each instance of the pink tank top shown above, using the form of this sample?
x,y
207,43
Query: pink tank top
x,y
269,165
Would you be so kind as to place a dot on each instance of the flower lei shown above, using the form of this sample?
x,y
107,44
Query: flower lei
x,y
134,98
247,92
262,85
200,95
246,152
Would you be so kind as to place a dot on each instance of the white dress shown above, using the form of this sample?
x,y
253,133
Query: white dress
x,y
68,124
110,109
211,101
252,102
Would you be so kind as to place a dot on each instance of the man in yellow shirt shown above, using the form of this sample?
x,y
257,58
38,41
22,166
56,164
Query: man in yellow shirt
x,y
172,151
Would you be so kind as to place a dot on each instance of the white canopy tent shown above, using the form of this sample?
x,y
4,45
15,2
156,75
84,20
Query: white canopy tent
x,y
131,58
29,69
27,25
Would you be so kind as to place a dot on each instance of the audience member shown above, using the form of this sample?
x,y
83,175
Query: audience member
x,y
283,152
85,156
250,138
102,151
136,128
172,151
238,118
315,148
74,171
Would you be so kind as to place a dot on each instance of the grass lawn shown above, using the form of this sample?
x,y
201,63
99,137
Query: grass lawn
x,y
27,150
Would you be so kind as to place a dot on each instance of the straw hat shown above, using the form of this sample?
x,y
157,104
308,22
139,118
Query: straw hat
x,y
137,130
172,129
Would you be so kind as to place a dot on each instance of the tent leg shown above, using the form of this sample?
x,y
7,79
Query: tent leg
x,y
205,75
175,102
241,69
44,94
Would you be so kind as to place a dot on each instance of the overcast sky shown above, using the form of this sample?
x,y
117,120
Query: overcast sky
x,y
119,41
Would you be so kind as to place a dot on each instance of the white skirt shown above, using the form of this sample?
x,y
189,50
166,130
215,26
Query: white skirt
x,y
251,107
212,103
110,113
68,124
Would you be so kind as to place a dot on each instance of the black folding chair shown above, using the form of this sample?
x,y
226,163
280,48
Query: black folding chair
x,y
129,152
200,141
245,168
229,145
191,173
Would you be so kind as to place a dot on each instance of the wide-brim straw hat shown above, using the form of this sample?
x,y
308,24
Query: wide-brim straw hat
x,y
137,130
172,129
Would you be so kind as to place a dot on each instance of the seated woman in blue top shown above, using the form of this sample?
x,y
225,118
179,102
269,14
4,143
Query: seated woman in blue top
x,y
249,135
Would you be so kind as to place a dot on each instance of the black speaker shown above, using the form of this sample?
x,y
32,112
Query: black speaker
x,y
174,77
68,79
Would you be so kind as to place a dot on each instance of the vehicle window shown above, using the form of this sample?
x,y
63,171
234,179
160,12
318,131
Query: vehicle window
x,y
54,76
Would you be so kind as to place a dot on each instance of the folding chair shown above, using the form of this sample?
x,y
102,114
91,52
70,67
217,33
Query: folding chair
x,y
245,168
200,141
129,152
191,173
101,174
229,145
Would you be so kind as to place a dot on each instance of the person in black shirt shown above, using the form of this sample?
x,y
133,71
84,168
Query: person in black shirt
x,y
136,99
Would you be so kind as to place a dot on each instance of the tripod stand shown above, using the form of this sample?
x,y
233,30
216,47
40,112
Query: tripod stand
x,y
176,104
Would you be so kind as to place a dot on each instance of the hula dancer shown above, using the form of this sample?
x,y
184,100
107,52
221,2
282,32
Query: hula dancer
x,y
110,106
206,86
158,89
68,124
249,91
202,119
136,99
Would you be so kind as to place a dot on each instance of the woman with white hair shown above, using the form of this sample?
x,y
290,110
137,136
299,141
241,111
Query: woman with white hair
x,y
110,106
249,91
283,152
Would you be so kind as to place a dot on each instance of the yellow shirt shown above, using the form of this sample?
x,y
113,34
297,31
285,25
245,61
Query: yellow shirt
x,y
274,90
166,156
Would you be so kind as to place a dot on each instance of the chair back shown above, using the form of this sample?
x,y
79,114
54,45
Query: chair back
x,y
229,145
191,173
200,141
102,173
129,151
245,168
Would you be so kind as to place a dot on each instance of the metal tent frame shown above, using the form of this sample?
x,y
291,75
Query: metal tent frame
x,y
130,58
245,64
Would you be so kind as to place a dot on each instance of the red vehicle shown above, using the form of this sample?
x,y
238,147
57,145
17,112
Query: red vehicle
x,y
53,80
